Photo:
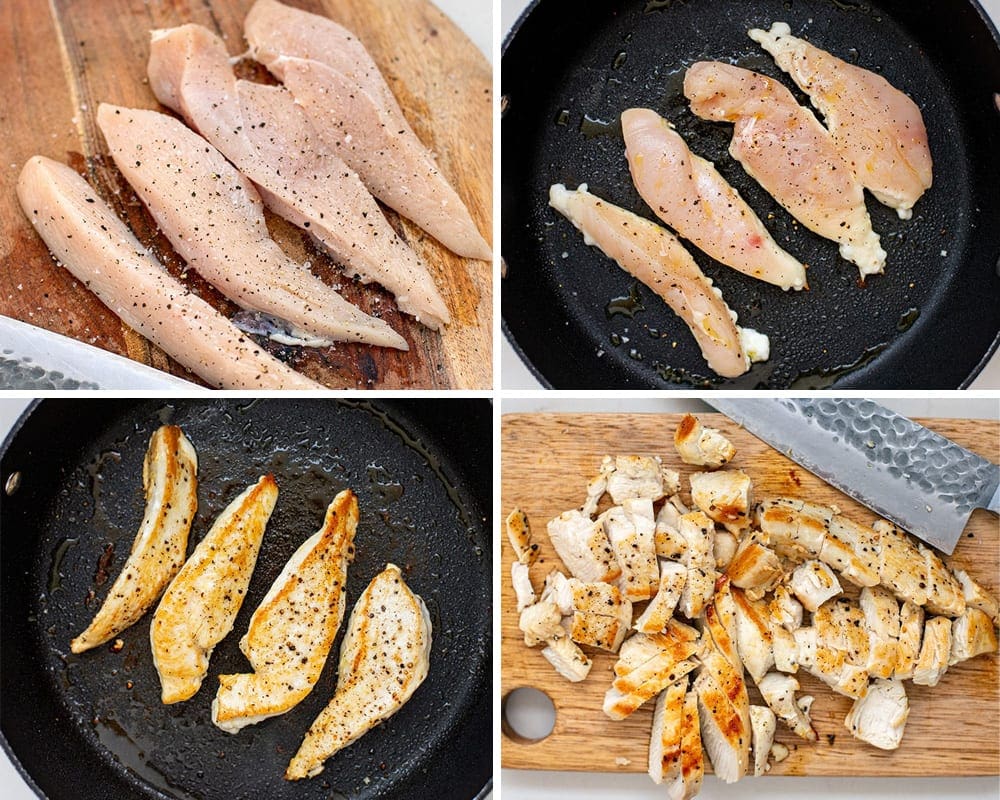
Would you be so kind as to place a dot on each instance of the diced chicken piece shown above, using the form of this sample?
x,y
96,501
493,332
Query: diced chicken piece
x,y
762,725
795,529
945,594
842,651
829,664
568,659
701,446
805,645
935,652
724,548
852,550
519,536
698,532
583,547
661,608
786,611
597,487
641,578
721,623
972,634
786,651
665,743
881,610
540,622
601,615
521,580
559,590
813,583
688,783
879,717
635,476
724,714
911,633
725,496
754,567
977,597
753,635
668,540
778,692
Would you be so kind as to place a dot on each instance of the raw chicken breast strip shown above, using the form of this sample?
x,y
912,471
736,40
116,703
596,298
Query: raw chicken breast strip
x,y
340,88
383,659
293,628
688,194
786,150
267,137
170,482
878,129
95,246
655,257
213,217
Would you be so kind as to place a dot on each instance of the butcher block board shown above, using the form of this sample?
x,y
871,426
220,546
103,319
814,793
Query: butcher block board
x,y
60,59
953,728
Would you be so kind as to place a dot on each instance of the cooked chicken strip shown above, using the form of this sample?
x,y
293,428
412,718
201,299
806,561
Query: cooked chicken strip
x,y
640,477
778,692
935,652
583,547
630,530
762,723
652,255
170,483
568,659
911,634
721,623
520,579
101,252
877,129
669,542
881,610
753,635
702,446
724,714
268,138
784,148
384,657
597,487
842,647
879,717
647,664
540,623
726,496
601,615
794,528
661,608
293,628
213,217
977,597
687,193
813,583
651,679
851,549
915,573
340,88
200,605
697,531
972,635
665,743
687,785
519,536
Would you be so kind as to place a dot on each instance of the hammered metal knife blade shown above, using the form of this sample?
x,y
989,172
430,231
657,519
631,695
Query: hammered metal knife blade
x,y
916,478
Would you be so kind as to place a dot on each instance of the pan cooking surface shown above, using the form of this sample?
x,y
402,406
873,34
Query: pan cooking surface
x,y
570,69
81,491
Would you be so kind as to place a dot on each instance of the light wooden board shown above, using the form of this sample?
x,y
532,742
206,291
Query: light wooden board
x,y
953,728
60,58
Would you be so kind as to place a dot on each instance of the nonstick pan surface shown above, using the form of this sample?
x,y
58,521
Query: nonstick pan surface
x,y
569,69
91,727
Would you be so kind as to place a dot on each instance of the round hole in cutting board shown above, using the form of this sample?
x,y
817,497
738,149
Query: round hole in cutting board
x,y
528,715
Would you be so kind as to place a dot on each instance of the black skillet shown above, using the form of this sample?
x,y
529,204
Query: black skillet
x,y
91,727
569,69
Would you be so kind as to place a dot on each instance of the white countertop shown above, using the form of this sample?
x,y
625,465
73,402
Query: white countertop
x,y
515,375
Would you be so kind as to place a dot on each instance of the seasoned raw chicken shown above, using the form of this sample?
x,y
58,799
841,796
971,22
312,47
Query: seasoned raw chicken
x,y
170,482
520,579
338,85
726,496
568,659
293,628
384,657
753,635
784,148
661,608
630,530
200,605
540,623
702,446
972,634
688,194
813,583
697,531
778,692
935,652
602,614
268,138
519,536
583,547
879,717
877,129
911,636
103,254
762,723
652,255
881,610
686,785
665,743
214,218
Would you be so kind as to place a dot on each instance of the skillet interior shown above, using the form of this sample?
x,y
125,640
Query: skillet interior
x,y
931,320
72,722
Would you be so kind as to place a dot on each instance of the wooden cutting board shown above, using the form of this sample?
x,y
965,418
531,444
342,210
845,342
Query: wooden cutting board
x,y
953,728
60,59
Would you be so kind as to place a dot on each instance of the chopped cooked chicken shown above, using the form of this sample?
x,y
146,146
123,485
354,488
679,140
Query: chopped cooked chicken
x,y
698,533
170,483
686,785
559,589
852,550
540,623
631,531
701,446
977,597
200,605
724,548
597,487
786,651
881,610
778,692
638,477
944,594
842,649
755,567
661,608
911,634
916,573
520,578
830,663
384,658
813,583
724,713
786,611
762,725
601,615
293,628
665,743
879,717
726,496
583,547
519,536
568,659
669,542
795,529
753,635
972,634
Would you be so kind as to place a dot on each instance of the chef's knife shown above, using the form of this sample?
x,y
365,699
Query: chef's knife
x,y
920,480
34,358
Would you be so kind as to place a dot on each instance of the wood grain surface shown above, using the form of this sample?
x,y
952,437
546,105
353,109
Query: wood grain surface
x,y
953,728
59,59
